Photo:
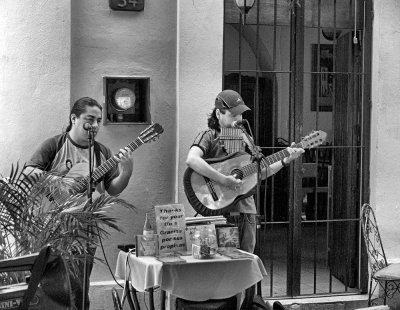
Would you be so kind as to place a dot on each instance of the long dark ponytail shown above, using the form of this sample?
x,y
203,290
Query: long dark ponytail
x,y
213,121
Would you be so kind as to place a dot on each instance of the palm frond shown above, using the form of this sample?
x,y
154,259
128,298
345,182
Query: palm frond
x,y
41,209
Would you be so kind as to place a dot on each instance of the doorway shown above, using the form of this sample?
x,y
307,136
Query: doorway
x,y
304,66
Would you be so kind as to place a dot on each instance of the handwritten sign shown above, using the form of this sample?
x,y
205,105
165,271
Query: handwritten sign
x,y
170,223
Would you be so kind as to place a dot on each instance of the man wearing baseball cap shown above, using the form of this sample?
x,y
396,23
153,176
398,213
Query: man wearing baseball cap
x,y
228,109
230,100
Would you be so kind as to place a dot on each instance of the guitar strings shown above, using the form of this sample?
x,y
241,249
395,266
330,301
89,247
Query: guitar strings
x,y
82,183
267,161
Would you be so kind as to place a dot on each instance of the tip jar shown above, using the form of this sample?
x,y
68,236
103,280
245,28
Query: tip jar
x,y
204,243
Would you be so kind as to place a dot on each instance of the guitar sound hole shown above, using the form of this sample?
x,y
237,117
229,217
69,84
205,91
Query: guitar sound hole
x,y
237,173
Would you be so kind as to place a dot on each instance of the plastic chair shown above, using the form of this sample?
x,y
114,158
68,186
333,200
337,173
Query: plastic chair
x,y
387,276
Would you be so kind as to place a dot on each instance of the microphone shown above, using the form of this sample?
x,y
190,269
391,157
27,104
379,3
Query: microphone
x,y
238,124
87,126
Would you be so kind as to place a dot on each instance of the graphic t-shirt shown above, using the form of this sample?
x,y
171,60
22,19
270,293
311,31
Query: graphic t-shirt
x,y
208,141
60,154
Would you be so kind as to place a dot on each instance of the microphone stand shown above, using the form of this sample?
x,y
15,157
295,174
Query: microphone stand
x,y
90,190
258,156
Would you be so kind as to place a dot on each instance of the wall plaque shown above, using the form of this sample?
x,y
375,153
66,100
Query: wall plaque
x,y
126,5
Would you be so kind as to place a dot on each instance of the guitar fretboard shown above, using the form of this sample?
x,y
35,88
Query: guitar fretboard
x,y
267,161
101,170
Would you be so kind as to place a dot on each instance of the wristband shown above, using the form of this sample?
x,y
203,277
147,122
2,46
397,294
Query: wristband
x,y
284,164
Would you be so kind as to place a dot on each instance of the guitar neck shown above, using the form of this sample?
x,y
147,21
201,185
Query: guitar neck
x,y
267,161
101,170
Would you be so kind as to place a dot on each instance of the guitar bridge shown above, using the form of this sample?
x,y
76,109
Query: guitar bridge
x,y
211,189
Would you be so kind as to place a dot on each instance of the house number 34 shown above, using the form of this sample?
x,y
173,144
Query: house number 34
x,y
127,5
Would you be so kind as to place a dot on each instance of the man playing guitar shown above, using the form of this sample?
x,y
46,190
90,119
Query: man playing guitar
x,y
229,107
68,154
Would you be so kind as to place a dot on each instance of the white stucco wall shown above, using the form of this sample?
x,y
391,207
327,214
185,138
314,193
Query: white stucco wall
x,y
71,49
200,33
385,124
34,75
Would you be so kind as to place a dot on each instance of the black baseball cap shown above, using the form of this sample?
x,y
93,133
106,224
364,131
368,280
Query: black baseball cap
x,y
231,101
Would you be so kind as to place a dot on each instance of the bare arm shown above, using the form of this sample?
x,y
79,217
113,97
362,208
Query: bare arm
x,y
275,167
125,172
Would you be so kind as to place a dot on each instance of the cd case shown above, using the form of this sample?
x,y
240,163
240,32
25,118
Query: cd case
x,y
171,258
233,253
228,237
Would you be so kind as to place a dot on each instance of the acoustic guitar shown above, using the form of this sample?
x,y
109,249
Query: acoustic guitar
x,y
75,183
210,198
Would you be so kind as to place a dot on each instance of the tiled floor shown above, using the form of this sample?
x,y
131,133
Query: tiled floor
x,y
316,278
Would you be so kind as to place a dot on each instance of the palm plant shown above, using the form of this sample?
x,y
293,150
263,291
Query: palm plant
x,y
29,220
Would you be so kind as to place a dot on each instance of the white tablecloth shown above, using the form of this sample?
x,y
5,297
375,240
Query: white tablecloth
x,y
197,280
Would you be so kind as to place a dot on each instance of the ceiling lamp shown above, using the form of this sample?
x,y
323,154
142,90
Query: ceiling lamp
x,y
244,6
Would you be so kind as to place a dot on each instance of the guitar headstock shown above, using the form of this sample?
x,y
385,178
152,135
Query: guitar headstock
x,y
314,139
151,132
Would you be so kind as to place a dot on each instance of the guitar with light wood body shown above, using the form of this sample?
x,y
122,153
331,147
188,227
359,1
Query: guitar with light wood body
x,y
76,182
210,198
